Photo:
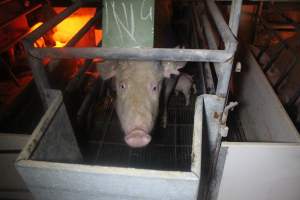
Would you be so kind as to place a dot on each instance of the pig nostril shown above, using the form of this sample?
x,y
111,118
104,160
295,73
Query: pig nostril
x,y
137,139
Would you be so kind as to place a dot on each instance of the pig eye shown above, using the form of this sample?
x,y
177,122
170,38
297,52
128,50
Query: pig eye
x,y
122,85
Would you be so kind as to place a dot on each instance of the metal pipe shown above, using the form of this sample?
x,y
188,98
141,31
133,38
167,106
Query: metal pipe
x,y
97,86
225,32
235,13
44,28
25,12
40,78
288,19
223,81
211,41
195,44
77,80
294,98
285,74
83,30
12,75
205,69
257,14
196,55
4,2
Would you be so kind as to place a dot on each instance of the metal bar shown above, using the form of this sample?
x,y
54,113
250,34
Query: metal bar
x,y
255,20
274,33
284,76
211,41
235,13
77,80
44,28
288,19
223,81
294,98
12,43
4,2
195,44
25,12
225,32
7,67
40,78
209,79
269,65
83,30
98,85
171,54
205,71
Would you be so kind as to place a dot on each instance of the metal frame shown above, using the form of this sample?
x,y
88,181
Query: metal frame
x,y
212,104
283,45
223,58
91,181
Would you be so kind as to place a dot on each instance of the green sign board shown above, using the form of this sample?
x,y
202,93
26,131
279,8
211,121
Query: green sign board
x,y
128,23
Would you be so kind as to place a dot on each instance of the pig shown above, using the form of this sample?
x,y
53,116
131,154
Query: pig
x,y
181,83
138,87
184,85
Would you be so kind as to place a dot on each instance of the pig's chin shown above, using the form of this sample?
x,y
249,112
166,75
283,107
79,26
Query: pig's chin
x,y
137,138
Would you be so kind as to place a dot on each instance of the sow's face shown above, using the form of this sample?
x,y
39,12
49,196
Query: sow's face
x,y
138,88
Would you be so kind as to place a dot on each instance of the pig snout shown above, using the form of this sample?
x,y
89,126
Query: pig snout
x,y
137,138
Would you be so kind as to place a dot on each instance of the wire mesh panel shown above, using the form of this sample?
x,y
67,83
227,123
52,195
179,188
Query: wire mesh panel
x,y
170,148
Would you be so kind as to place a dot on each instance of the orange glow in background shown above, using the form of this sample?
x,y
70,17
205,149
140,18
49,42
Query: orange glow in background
x,y
66,29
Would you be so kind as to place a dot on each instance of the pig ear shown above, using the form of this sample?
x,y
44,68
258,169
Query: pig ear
x,y
107,69
171,67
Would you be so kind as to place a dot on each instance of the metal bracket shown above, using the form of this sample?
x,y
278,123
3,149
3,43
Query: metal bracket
x,y
223,127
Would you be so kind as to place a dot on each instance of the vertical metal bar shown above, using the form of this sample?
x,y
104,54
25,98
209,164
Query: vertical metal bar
x,y
209,79
211,41
40,78
257,14
196,31
225,32
223,81
235,13
8,68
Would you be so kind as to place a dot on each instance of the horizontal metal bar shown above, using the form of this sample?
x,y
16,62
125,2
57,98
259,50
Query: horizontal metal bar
x,y
295,24
44,28
78,78
83,30
25,12
223,29
196,55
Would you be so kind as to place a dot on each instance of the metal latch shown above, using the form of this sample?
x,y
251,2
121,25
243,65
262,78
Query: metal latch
x,y
223,128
